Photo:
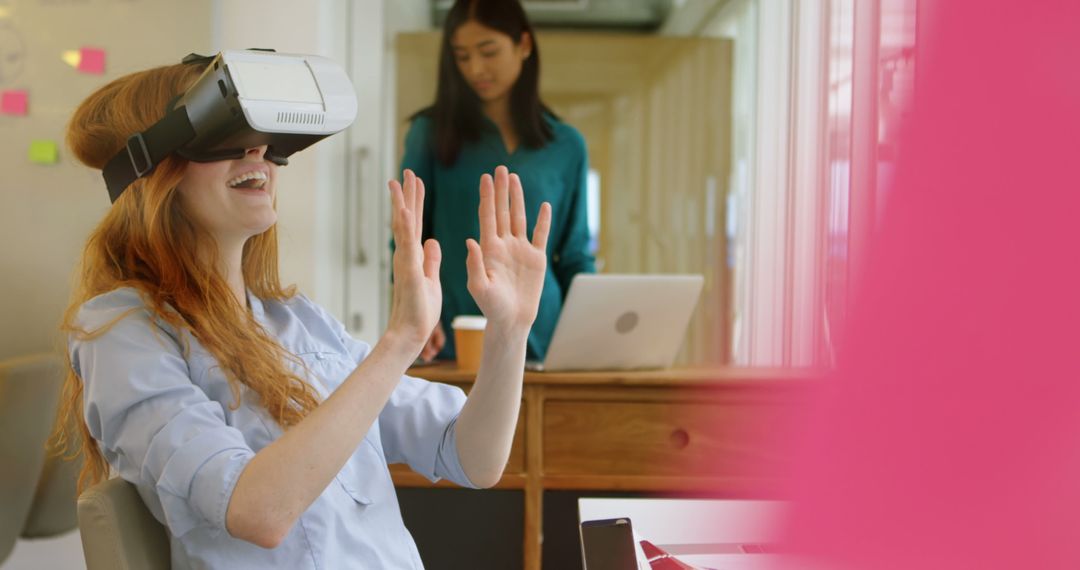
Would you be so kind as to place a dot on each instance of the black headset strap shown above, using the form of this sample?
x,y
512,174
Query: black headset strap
x,y
194,58
146,150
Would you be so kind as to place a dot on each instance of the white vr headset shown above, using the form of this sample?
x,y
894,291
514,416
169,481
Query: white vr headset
x,y
244,99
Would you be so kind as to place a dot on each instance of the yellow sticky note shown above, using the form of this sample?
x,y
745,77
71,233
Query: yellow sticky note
x,y
44,152
71,57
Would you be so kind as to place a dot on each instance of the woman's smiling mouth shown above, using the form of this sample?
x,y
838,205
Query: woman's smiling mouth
x,y
254,180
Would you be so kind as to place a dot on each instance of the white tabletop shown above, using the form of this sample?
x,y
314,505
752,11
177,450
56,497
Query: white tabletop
x,y
673,522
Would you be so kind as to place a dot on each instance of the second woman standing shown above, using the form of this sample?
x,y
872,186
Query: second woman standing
x,y
488,112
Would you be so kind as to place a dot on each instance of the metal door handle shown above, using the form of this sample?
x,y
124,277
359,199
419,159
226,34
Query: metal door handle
x,y
362,154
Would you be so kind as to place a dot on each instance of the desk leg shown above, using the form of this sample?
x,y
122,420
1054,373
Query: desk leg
x,y
534,469
534,524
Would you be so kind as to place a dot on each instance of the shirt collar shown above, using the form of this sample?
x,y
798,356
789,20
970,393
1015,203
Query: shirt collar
x,y
257,309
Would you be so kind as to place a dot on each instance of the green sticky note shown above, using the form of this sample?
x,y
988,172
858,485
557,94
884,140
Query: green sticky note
x,y
44,152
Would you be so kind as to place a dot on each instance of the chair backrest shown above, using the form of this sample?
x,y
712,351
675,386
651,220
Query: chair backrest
x,y
29,393
118,531
53,509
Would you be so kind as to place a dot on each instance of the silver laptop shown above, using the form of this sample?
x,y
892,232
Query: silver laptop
x,y
622,322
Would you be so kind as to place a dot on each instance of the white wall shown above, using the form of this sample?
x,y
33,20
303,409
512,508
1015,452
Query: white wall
x,y
47,211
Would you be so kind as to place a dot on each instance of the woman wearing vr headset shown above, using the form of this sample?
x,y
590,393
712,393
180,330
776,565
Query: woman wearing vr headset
x,y
253,426
488,112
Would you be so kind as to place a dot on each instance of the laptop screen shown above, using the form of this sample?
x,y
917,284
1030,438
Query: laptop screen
x,y
622,322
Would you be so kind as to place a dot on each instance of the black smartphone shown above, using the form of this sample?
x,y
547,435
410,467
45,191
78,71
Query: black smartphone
x,y
608,545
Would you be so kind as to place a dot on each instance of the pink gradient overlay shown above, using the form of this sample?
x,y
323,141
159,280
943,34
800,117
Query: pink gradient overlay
x,y
949,435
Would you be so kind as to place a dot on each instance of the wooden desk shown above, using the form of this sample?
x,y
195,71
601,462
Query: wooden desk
x,y
677,430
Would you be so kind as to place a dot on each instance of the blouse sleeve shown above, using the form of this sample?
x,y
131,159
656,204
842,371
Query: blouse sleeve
x,y
159,430
417,426
571,255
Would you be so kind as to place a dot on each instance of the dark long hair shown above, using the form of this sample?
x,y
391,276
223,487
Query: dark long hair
x,y
457,114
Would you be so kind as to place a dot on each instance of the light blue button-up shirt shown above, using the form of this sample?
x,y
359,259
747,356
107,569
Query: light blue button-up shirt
x,y
164,416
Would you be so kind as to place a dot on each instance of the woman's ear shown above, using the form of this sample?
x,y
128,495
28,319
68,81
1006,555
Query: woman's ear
x,y
526,45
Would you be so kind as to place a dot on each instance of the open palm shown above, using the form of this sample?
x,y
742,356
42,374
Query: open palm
x,y
417,298
506,269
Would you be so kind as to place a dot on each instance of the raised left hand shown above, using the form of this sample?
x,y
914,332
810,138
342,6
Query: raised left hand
x,y
506,269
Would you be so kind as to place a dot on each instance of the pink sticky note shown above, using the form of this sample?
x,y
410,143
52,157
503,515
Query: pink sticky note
x,y
92,60
14,102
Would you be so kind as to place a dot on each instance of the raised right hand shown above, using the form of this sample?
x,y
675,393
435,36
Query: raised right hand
x,y
417,297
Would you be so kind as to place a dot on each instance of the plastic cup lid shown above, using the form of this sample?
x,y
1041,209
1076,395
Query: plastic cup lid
x,y
469,322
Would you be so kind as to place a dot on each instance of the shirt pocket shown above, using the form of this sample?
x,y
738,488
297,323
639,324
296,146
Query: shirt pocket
x,y
325,370
364,476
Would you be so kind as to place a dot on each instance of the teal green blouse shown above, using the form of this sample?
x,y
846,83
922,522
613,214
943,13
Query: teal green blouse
x,y
554,173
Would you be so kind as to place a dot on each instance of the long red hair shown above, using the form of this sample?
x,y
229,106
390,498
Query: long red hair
x,y
147,242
